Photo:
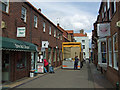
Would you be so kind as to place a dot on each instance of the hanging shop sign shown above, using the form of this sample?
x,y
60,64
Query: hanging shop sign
x,y
45,44
20,31
103,29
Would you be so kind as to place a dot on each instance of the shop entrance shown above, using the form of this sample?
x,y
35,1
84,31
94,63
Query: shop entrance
x,y
5,66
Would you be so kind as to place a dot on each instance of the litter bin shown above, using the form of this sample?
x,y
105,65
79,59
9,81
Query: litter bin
x,y
32,73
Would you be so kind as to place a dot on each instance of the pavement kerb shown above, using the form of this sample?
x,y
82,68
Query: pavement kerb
x,y
26,80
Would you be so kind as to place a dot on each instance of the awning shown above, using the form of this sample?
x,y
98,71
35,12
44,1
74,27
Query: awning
x,y
16,45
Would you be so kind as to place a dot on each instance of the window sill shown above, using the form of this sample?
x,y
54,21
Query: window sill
x,y
5,12
116,68
110,65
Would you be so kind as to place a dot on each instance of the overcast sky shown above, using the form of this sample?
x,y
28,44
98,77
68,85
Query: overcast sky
x,y
70,15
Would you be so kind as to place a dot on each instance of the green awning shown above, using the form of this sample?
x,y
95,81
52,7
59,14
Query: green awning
x,y
16,45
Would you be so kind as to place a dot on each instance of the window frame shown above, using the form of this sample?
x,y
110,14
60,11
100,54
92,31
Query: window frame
x,y
110,51
54,32
99,51
44,27
114,52
6,3
25,14
35,21
50,30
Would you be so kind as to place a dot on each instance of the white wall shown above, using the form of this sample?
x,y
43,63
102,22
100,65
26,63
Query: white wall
x,y
86,50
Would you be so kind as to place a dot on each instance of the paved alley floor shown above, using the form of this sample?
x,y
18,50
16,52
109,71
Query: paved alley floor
x,y
87,77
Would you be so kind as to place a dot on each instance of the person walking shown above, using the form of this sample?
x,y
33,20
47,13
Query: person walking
x,y
46,64
76,62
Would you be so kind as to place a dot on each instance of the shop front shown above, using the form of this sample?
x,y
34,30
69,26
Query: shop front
x,y
16,58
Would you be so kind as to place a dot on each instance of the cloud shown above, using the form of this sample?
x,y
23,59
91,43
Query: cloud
x,y
71,16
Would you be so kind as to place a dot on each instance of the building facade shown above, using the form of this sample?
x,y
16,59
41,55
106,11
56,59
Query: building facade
x,y
83,38
23,23
108,42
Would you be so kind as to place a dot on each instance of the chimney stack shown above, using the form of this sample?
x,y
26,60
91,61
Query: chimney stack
x,y
58,24
39,10
85,34
82,31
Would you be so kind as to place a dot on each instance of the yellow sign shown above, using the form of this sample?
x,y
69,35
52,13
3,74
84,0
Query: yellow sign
x,y
3,24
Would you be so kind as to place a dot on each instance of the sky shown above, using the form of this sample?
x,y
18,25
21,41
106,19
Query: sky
x,y
71,15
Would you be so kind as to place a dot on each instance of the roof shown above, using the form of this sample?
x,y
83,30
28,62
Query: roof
x,y
69,31
27,2
79,35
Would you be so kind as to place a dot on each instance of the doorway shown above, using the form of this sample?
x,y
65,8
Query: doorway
x,y
5,66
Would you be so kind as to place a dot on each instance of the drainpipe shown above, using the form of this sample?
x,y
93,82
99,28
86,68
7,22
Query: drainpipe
x,y
30,32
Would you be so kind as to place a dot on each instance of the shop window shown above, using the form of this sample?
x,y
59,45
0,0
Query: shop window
x,y
21,60
35,21
32,61
103,51
115,51
110,51
58,55
54,55
102,54
49,55
5,5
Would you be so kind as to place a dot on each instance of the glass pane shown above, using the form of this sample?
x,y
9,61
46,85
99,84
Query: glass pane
x,y
103,46
103,57
4,7
116,59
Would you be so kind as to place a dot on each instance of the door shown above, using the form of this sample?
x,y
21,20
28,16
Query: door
x,y
5,66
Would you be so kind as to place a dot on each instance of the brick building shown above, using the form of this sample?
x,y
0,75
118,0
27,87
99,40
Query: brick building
x,y
107,40
24,24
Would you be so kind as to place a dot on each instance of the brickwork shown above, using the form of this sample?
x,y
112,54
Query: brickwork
x,y
112,74
32,34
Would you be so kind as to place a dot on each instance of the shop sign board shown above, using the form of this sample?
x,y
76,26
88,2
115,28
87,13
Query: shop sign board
x,y
45,44
103,29
40,68
21,31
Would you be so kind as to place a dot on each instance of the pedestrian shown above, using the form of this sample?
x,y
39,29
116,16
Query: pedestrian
x,y
76,62
46,64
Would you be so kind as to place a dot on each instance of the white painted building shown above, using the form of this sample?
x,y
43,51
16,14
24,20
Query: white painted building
x,y
84,39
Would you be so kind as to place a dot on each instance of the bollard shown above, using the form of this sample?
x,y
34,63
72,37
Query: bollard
x,y
117,86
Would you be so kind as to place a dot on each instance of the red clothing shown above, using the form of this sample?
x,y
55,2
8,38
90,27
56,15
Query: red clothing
x,y
45,62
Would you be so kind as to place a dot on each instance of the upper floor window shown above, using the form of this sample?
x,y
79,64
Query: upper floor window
x,y
54,33
83,46
61,37
104,11
43,26
5,5
58,36
83,41
50,30
23,14
108,4
113,6
35,21
108,14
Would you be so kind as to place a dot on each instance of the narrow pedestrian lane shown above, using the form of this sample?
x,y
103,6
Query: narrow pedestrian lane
x,y
62,78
